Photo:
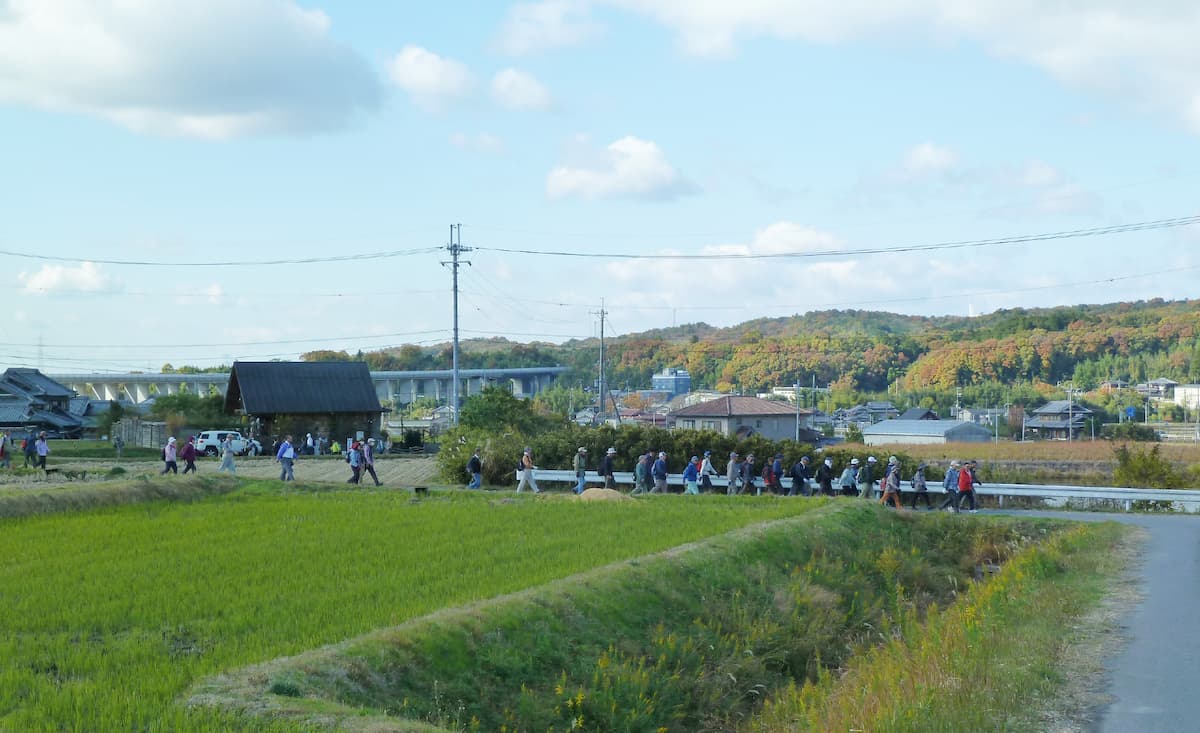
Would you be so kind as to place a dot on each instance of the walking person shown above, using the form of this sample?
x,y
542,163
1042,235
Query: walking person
x,y
825,477
732,472
866,479
475,469
29,450
890,486
119,446
285,456
227,455
691,476
849,478
368,459
648,478
950,484
606,469
920,488
354,457
800,477
777,474
527,472
641,474
707,471
170,454
580,469
188,454
43,449
309,449
748,476
966,485
5,449
659,472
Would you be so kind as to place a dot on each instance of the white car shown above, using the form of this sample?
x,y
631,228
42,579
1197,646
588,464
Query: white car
x,y
209,443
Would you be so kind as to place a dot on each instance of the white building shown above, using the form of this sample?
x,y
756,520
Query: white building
x,y
925,432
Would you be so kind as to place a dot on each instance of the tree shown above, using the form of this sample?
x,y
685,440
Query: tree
x,y
496,409
854,434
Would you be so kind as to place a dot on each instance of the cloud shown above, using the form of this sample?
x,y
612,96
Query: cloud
x,y
432,81
1140,53
481,143
535,26
518,90
628,168
216,70
86,277
928,159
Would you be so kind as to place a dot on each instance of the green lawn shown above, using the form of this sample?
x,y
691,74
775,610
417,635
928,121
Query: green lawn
x,y
107,616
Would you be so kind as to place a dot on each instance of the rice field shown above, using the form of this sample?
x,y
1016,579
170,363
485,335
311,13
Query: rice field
x,y
108,615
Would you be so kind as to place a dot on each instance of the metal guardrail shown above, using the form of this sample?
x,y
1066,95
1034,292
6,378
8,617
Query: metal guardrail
x,y
1037,491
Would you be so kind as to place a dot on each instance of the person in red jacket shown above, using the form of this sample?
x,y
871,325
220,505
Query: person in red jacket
x,y
966,485
188,454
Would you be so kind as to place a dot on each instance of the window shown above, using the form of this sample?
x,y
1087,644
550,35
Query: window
x,y
709,425
689,424
758,423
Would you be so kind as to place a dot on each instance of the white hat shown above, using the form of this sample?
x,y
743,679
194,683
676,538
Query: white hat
x,y
171,439
662,455
870,459
853,461
582,449
893,459
371,441
611,451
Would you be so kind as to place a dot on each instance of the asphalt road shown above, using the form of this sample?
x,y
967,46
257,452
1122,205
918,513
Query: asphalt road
x,y
1153,678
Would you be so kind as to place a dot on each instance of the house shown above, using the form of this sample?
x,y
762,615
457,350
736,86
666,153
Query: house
x,y
1058,419
745,416
332,398
1157,389
1187,396
925,432
672,381
31,400
918,413
883,410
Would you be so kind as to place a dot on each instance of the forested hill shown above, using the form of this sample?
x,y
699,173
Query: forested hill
x,y
869,350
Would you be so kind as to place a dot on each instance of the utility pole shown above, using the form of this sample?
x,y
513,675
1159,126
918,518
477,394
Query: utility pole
x,y
797,395
455,248
603,387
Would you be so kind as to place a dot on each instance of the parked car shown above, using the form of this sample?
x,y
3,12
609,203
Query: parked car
x,y
209,443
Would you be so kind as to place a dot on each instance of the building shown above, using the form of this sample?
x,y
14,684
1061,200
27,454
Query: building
x,y
1157,389
1058,420
745,416
918,413
29,400
1187,396
673,381
332,398
925,432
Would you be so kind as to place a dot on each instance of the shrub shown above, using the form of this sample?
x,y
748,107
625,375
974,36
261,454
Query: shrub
x,y
1144,469
1130,431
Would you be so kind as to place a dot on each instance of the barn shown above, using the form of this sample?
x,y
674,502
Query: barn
x,y
925,432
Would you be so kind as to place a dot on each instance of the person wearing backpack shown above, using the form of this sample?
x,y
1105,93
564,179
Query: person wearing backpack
x,y
748,476
890,486
354,458
475,469
606,469
825,476
169,456
188,454
800,477
849,478
920,488
527,467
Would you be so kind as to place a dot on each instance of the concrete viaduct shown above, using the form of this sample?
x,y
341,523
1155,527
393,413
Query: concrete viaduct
x,y
392,387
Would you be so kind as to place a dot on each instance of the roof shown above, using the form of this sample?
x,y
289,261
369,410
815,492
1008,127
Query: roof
x,y
1055,423
918,413
920,427
1163,382
738,407
298,387
876,406
1062,407
37,382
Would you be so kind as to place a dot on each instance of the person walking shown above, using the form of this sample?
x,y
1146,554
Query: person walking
x,y
777,474
580,469
4,450
732,472
890,487
309,448
188,454
748,476
641,474
354,457
849,478
659,472
606,469
475,469
707,471
227,455
866,479
285,457
43,450
950,484
368,459
825,477
170,454
691,476
527,468
29,450
966,485
920,488
119,446
648,478
800,477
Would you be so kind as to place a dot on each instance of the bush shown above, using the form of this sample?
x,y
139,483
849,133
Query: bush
x,y
1144,469
1130,431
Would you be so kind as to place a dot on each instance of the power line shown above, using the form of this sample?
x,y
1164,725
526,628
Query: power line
x,y
963,244
237,263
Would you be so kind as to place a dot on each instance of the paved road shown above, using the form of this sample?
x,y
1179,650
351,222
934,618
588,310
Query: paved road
x,y
1153,677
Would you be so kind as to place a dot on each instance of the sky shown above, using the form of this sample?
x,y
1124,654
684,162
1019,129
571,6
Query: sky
x,y
198,183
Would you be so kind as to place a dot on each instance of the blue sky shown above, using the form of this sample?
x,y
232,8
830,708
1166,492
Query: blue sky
x,y
264,132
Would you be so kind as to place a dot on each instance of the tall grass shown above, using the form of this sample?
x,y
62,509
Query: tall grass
x,y
107,616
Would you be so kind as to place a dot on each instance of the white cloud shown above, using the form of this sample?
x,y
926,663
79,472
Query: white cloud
x,y
430,79
929,159
218,69
86,277
481,143
1038,173
535,26
1140,53
518,90
628,168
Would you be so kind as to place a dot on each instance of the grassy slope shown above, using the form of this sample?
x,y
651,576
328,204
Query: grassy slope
x,y
108,615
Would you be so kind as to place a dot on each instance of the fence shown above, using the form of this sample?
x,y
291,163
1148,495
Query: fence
x,y
1122,496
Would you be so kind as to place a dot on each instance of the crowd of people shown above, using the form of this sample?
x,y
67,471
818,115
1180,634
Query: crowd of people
x,y
745,475
34,449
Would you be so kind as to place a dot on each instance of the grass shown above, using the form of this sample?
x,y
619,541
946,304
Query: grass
x,y
108,615
1049,451
63,449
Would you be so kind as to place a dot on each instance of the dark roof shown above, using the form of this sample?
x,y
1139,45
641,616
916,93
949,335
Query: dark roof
x,y
1062,407
918,413
36,382
299,388
737,407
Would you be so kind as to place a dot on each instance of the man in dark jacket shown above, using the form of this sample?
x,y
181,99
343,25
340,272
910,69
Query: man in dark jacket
x,y
825,477
475,468
606,469
800,477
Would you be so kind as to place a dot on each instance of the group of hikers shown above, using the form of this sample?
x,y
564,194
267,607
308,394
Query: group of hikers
x,y
743,476
33,448
360,455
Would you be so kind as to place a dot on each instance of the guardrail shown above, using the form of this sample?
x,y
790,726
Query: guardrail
x,y
1125,496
